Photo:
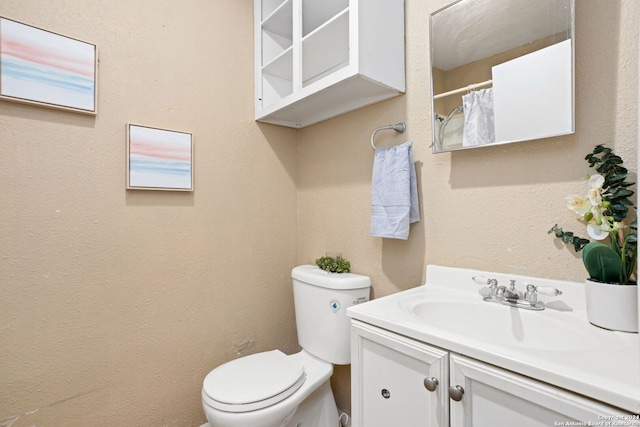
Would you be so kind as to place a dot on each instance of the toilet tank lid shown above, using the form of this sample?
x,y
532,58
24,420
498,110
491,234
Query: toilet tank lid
x,y
315,276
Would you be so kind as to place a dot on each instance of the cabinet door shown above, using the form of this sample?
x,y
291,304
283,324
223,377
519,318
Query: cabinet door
x,y
495,397
388,374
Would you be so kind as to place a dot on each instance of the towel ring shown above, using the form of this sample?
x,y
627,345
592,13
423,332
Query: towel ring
x,y
398,127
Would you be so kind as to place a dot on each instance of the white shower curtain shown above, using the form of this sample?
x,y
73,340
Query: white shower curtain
x,y
479,127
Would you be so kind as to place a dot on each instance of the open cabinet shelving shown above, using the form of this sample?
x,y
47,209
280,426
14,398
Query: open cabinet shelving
x,y
317,59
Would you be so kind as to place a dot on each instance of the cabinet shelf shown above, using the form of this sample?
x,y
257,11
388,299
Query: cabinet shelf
x,y
315,13
317,59
280,20
281,65
269,6
326,48
274,46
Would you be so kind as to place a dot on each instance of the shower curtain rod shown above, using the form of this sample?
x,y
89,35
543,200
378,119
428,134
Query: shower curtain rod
x,y
463,89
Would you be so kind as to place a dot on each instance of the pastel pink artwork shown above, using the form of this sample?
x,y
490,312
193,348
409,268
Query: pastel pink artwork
x,y
40,66
159,158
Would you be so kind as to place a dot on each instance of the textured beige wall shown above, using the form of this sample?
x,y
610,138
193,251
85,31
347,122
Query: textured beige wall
x,y
487,208
484,208
115,304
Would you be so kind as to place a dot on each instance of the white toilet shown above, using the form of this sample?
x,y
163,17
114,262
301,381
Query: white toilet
x,y
271,389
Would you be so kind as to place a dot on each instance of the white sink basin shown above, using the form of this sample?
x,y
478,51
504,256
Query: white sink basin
x,y
504,325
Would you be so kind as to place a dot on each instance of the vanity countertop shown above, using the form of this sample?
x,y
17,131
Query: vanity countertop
x,y
557,345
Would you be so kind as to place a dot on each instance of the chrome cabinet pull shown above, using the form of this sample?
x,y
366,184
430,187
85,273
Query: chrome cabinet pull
x,y
431,383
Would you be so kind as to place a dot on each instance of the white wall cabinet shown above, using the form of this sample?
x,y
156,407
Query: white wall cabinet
x,y
316,59
488,396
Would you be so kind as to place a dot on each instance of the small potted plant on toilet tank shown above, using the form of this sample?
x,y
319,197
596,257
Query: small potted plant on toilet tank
x,y
333,264
610,257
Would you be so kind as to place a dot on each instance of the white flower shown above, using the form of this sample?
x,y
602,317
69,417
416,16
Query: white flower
x,y
597,215
595,192
596,181
590,208
598,232
594,196
578,204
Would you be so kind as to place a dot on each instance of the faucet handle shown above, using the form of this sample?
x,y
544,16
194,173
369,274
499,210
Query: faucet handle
x,y
548,290
481,280
531,295
544,290
491,283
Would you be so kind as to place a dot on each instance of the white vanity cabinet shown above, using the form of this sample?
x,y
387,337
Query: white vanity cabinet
x,y
488,396
389,379
316,59
496,397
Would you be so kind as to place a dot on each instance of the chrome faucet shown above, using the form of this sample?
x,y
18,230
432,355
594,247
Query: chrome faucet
x,y
513,297
510,293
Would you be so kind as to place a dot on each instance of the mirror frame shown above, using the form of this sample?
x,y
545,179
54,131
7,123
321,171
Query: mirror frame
x,y
570,33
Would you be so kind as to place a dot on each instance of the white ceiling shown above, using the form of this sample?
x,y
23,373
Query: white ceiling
x,y
470,30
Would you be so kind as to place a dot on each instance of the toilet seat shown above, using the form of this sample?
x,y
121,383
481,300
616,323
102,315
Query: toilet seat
x,y
253,382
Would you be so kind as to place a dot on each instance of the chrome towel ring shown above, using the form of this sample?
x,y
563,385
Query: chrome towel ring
x,y
398,127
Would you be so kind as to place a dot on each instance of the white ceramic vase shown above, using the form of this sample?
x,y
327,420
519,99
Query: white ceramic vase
x,y
612,306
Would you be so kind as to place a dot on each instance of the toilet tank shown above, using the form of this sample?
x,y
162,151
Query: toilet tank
x,y
321,300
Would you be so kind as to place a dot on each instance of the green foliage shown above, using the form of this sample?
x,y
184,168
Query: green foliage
x,y
616,261
568,237
334,265
609,165
602,263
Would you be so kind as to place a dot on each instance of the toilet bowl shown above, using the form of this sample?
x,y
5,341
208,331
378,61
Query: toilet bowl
x,y
258,401
272,389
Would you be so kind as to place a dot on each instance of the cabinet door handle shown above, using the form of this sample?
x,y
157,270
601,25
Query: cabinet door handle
x,y
456,392
431,383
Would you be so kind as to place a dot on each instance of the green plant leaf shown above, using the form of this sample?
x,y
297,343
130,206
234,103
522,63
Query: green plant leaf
x,y
334,265
618,176
602,263
568,237
622,192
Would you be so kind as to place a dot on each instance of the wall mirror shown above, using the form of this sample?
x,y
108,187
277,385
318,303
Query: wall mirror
x,y
502,71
